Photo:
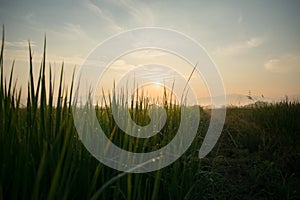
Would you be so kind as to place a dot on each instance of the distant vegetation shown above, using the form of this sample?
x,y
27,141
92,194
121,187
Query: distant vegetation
x,y
41,156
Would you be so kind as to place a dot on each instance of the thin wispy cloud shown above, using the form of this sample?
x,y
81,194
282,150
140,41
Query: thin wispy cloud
x,y
91,6
240,19
239,47
119,15
121,65
67,30
284,64
22,55
19,44
104,15
30,18
75,32
138,11
148,53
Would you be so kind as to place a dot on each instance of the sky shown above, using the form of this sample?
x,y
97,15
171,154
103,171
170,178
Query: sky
x,y
254,44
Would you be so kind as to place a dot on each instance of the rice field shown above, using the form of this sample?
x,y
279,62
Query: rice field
x,y
42,157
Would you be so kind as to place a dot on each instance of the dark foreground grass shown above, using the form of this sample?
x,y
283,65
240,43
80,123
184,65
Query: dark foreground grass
x,y
41,156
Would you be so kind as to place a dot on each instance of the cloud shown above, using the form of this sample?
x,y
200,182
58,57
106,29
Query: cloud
x,y
240,47
253,42
75,32
284,64
118,13
103,15
240,19
147,54
19,44
91,6
139,11
121,65
71,31
22,55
